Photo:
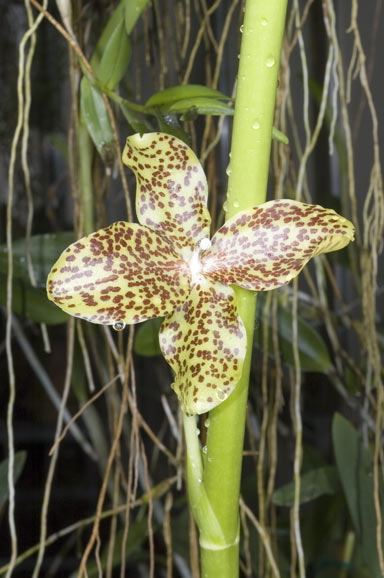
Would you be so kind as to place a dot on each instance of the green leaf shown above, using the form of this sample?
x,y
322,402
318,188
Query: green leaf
x,y
169,124
137,121
18,468
186,190
206,356
43,251
93,278
133,10
174,94
147,338
313,352
113,51
279,136
31,303
314,483
355,467
95,115
201,105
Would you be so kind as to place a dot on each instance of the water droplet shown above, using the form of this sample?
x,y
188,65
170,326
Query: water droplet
x,y
205,244
225,207
242,28
238,56
221,395
207,422
228,170
205,450
270,62
236,204
256,125
197,431
264,22
119,326
199,480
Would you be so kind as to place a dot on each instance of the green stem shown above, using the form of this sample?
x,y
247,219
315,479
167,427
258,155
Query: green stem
x,y
249,164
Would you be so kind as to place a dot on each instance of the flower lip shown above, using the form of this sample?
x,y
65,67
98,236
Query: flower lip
x,y
195,265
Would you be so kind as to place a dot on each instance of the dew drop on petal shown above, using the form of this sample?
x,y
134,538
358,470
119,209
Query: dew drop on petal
x,y
264,22
228,170
197,431
225,207
256,125
207,422
205,244
119,326
242,28
236,204
221,395
199,480
270,62
205,450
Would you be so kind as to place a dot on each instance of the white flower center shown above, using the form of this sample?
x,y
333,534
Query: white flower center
x,y
195,263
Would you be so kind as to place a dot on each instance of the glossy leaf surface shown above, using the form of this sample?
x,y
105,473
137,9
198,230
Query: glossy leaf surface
x,y
122,274
113,51
133,10
31,302
355,467
315,483
146,341
313,352
267,246
43,251
204,341
202,105
171,194
95,116
176,93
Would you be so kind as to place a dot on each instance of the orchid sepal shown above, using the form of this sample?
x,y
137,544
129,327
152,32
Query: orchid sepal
x,y
267,246
124,273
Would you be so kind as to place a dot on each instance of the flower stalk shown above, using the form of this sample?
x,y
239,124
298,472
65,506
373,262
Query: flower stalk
x,y
262,36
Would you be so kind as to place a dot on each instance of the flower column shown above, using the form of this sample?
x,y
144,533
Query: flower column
x,y
250,153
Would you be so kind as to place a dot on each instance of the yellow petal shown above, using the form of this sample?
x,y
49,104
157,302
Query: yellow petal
x,y
204,341
265,247
171,194
125,273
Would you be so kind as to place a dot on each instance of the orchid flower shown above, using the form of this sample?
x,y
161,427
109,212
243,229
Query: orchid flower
x,y
167,266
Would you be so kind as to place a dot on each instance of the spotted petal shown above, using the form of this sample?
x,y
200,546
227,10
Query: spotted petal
x,y
125,273
171,195
267,246
204,341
